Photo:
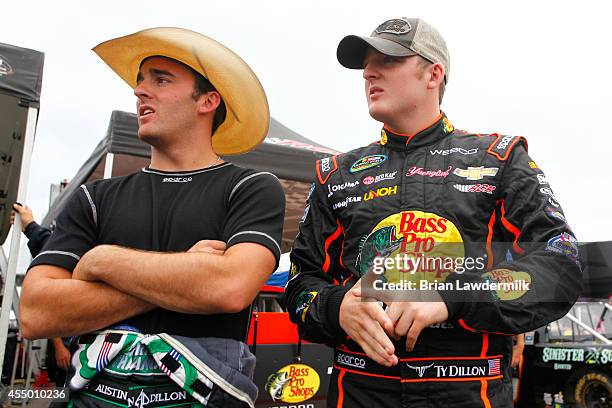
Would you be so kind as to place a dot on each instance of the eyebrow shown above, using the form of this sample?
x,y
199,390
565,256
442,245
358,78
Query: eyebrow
x,y
154,72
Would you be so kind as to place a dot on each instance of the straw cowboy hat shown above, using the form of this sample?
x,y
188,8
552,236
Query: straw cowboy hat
x,y
248,115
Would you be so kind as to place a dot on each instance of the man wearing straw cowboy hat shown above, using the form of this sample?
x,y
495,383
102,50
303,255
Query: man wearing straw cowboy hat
x,y
155,272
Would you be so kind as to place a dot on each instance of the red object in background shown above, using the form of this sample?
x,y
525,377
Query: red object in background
x,y
273,328
41,380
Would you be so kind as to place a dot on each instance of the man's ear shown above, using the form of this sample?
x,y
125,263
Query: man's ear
x,y
436,75
209,101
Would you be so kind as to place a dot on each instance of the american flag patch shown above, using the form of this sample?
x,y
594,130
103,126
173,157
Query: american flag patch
x,y
494,366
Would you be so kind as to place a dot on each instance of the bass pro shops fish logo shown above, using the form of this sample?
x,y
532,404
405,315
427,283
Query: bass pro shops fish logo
x,y
293,383
414,236
5,67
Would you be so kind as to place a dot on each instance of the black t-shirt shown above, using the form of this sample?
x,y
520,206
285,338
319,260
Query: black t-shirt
x,y
169,212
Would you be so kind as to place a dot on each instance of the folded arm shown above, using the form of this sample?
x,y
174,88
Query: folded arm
x,y
55,305
187,282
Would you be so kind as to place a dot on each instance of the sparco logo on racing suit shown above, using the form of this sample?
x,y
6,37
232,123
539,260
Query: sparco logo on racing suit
x,y
352,361
504,142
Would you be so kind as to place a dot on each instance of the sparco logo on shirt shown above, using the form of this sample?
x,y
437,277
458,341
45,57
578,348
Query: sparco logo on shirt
x,y
454,150
176,179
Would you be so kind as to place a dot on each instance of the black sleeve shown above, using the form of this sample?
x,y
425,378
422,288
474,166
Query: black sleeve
x,y
546,250
75,232
256,212
37,236
314,292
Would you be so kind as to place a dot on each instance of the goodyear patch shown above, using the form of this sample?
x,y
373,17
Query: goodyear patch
x,y
325,168
516,283
293,383
564,244
368,162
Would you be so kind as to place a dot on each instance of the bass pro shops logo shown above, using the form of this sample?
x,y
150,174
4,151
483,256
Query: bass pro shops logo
x,y
414,234
5,67
293,383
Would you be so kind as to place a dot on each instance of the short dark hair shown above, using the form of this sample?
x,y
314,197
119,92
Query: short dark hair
x,y
202,86
424,64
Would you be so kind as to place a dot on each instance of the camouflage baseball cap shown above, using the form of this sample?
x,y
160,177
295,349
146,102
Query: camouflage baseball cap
x,y
398,37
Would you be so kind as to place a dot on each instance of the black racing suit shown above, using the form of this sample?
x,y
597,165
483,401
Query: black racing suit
x,y
480,194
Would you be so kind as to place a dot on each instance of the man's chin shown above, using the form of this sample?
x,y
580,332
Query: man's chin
x,y
149,138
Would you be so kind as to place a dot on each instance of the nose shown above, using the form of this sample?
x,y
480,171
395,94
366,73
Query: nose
x,y
141,91
369,71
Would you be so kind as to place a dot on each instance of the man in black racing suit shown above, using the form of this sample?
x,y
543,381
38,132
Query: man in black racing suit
x,y
424,185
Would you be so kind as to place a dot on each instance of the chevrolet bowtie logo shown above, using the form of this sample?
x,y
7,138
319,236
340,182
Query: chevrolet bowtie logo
x,y
420,370
476,173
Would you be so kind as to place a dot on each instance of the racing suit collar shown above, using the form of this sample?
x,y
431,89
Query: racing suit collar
x,y
439,129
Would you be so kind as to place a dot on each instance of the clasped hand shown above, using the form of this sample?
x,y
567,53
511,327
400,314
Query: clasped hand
x,y
372,327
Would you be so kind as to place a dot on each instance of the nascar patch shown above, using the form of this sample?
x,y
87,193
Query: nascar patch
x,y
368,162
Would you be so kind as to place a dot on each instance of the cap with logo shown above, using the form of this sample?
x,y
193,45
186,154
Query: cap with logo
x,y
398,37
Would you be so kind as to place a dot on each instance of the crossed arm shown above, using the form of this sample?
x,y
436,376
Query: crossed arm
x,y
111,284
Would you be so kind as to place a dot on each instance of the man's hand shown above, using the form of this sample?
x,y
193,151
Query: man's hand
x,y
410,318
25,212
366,322
209,246
62,356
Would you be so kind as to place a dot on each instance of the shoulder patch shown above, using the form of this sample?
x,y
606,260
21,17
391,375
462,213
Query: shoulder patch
x,y
325,168
502,145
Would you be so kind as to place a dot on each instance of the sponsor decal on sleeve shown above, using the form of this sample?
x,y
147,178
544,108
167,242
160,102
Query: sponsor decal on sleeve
x,y
475,188
517,283
303,302
564,244
325,168
555,214
420,171
542,179
368,162
293,383
476,173
551,196
502,145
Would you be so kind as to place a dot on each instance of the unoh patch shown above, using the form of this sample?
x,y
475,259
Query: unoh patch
x,y
368,162
564,244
